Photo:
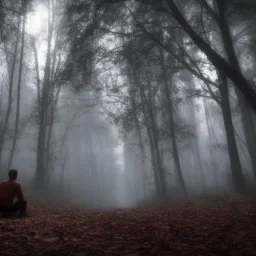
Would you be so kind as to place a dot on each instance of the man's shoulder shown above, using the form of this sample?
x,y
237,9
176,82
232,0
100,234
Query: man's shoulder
x,y
17,184
13,183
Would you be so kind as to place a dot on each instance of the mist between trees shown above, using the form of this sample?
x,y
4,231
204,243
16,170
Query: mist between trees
x,y
113,103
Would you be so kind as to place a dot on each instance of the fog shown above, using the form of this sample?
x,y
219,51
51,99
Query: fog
x,y
107,104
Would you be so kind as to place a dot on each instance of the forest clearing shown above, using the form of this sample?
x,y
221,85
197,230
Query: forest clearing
x,y
179,228
119,104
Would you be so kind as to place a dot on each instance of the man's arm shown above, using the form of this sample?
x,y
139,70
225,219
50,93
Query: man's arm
x,y
20,193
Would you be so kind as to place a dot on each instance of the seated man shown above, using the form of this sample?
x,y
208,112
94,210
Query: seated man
x,y
8,191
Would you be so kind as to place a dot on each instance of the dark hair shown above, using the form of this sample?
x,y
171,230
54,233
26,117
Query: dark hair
x,y
13,174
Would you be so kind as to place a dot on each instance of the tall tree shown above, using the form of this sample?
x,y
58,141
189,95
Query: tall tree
x,y
13,40
17,119
48,91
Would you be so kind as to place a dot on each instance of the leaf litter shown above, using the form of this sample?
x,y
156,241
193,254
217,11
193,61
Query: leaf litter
x,y
180,228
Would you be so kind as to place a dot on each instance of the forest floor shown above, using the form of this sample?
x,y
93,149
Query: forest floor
x,y
179,228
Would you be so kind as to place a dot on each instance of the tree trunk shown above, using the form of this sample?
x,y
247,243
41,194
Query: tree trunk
x,y
17,120
38,81
49,134
246,113
138,131
1,99
155,133
95,176
40,175
213,156
172,129
149,132
151,143
9,107
236,168
192,117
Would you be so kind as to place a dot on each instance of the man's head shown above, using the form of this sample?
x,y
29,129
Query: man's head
x,y
13,174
